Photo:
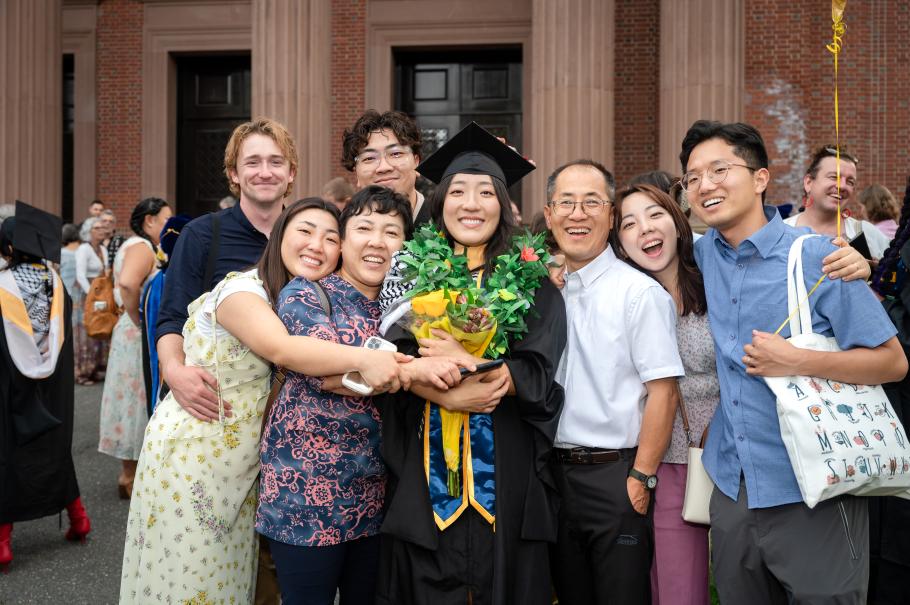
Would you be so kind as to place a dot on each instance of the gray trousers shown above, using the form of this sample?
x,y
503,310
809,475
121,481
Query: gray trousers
x,y
790,553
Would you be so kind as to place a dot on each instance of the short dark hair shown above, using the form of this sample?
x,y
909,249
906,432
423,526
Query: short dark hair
x,y
272,272
380,200
149,206
608,177
93,202
399,123
661,179
745,139
828,151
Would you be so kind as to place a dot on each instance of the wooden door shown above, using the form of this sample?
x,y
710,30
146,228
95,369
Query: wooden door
x,y
213,98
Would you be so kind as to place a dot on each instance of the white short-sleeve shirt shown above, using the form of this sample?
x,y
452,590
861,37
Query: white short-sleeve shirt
x,y
622,334
876,240
246,282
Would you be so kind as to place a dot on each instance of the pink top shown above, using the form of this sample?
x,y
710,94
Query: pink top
x,y
888,227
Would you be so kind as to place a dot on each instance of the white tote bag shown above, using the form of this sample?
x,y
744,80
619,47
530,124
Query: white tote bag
x,y
841,438
698,484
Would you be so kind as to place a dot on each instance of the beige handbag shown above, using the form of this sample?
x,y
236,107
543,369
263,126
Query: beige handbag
x,y
698,484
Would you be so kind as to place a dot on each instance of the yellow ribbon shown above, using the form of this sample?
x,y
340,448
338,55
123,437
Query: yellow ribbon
x,y
839,27
475,344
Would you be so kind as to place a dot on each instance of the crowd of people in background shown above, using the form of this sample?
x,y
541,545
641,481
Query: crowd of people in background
x,y
256,472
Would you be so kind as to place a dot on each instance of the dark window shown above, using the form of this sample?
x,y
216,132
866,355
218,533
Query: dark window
x,y
213,93
445,90
69,113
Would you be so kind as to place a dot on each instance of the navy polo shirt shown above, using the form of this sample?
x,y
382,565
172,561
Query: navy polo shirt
x,y
240,246
746,288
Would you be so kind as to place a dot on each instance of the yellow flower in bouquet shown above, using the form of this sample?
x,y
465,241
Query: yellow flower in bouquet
x,y
473,327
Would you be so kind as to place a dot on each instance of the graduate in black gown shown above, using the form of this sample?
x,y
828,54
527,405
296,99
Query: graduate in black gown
x,y
489,546
37,476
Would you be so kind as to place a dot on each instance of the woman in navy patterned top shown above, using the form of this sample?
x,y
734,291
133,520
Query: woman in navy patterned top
x,y
322,486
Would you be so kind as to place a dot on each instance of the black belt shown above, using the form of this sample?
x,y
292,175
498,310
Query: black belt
x,y
589,455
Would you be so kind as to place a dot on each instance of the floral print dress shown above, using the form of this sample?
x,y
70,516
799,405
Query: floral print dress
x,y
123,412
190,536
323,479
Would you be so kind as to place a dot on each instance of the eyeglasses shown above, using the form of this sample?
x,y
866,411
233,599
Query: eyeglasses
x,y
717,173
591,207
396,156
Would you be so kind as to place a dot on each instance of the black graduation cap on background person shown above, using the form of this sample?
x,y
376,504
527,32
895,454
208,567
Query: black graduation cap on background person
x,y
474,150
37,232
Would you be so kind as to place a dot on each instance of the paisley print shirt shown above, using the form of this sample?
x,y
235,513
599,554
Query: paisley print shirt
x,y
323,480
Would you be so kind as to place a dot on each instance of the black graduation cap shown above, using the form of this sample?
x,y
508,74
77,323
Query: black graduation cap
x,y
37,232
475,150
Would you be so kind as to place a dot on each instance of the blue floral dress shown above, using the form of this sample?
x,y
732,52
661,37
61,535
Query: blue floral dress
x,y
323,480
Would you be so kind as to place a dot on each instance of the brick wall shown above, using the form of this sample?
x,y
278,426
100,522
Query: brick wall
x,y
119,106
637,77
789,80
348,72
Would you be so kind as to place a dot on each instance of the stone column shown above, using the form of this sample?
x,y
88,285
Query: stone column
x,y
702,69
571,70
31,106
291,58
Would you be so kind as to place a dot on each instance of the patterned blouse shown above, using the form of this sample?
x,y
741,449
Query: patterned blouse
x,y
699,388
323,480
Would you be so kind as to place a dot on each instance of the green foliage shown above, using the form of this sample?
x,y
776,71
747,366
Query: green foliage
x,y
507,294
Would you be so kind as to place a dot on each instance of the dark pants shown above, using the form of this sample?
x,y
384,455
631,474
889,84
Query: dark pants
x,y
604,548
790,553
310,575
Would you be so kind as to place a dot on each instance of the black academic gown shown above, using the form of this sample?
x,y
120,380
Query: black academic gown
x,y
37,476
526,508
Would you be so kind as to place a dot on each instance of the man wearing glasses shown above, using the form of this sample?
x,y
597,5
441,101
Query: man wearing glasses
x,y
619,371
823,195
384,149
767,546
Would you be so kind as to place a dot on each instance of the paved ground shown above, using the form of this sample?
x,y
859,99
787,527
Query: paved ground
x,y
49,570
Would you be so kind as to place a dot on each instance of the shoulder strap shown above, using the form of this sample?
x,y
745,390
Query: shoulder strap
x,y
685,420
324,301
213,252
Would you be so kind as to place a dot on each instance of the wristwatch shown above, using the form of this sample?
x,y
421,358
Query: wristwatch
x,y
649,481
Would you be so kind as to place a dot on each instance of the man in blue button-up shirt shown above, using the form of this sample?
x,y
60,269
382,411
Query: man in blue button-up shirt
x,y
767,545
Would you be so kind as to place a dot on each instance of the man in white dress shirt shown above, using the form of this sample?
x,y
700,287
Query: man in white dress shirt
x,y
619,372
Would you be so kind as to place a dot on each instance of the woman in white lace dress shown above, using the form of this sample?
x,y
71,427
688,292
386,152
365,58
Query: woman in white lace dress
x,y
123,413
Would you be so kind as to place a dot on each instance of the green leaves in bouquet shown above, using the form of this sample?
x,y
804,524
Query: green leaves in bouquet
x,y
432,264
511,287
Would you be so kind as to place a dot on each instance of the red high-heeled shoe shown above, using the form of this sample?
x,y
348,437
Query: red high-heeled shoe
x,y
80,525
6,550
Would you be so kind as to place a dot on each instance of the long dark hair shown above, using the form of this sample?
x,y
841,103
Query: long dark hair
x,y
690,282
272,272
150,206
502,237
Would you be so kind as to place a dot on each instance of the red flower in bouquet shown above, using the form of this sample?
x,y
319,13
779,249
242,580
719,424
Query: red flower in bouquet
x,y
528,254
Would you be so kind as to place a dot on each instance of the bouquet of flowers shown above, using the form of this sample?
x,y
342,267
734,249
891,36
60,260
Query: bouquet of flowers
x,y
482,315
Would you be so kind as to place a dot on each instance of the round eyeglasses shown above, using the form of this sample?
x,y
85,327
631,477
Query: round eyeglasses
x,y
395,156
717,173
591,207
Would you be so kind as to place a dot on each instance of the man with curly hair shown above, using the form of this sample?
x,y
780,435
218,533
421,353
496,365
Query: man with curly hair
x,y
384,149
